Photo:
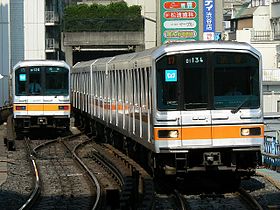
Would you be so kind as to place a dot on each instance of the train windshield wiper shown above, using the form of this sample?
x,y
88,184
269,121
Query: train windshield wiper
x,y
236,109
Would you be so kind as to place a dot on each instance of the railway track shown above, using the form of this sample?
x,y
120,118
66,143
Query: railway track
x,y
115,193
236,200
118,181
61,183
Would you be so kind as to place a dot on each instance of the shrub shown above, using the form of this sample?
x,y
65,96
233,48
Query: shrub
x,y
98,17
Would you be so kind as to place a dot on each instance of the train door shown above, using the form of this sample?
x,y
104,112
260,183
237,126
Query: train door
x,y
195,113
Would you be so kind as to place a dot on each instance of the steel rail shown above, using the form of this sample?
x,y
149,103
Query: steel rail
x,y
91,175
178,196
249,199
55,141
37,189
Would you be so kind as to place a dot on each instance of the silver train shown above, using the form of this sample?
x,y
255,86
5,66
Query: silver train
x,y
181,107
41,94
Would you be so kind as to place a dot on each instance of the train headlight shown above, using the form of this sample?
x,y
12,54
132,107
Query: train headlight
x,y
251,131
245,131
168,133
20,107
63,107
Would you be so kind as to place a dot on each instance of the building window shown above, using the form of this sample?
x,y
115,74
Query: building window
x,y
278,106
278,59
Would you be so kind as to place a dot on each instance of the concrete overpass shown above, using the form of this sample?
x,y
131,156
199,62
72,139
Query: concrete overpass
x,y
81,46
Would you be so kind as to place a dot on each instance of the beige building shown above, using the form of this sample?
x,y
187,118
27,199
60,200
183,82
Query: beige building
x,y
259,25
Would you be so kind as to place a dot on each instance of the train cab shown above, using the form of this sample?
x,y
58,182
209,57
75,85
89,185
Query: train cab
x,y
41,94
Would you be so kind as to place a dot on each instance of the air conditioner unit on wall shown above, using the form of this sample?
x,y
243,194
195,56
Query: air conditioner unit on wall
x,y
248,29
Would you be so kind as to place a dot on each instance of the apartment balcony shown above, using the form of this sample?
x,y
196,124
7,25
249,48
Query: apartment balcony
x,y
265,35
271,77
51,45
51,18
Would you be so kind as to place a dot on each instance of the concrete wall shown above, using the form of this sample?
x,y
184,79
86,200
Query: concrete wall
x,y
34,29
261,19
149,13
103,38
274,10
271,102
268,51
4,50
97,40
22,36
17,31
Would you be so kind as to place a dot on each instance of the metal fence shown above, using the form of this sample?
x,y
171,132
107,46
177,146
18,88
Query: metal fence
x,y
265,35
51,44
271,75
271,150
51,17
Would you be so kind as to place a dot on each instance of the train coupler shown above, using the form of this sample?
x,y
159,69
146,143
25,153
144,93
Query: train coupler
x,y
42,121
211,158
181,164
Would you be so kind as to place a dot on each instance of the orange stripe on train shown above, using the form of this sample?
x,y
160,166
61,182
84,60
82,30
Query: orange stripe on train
x,y
42,107
208,132
219,132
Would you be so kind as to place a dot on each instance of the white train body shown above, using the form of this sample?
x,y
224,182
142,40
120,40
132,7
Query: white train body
x,y
175,101
41,94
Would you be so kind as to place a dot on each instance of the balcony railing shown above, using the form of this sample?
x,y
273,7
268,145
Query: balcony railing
x,y
51,44
265,35
51,17
271,75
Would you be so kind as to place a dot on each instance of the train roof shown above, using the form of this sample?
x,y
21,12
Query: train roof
x,y
25,63
204,45
156,52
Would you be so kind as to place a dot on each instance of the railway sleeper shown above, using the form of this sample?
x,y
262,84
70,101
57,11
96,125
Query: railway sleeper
x,y
112,197
128,198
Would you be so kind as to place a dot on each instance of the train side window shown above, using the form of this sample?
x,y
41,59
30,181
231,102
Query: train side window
x,y
140,79
130,89
135,89
113,86
126,78
143,88
148,87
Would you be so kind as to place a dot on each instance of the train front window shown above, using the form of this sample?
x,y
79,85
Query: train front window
x,y
167,83
20,81
35,84
236,81
56,81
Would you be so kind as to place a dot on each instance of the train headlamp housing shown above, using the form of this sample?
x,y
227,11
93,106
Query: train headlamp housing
x,y
168,133
21,108
63,107
251,131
